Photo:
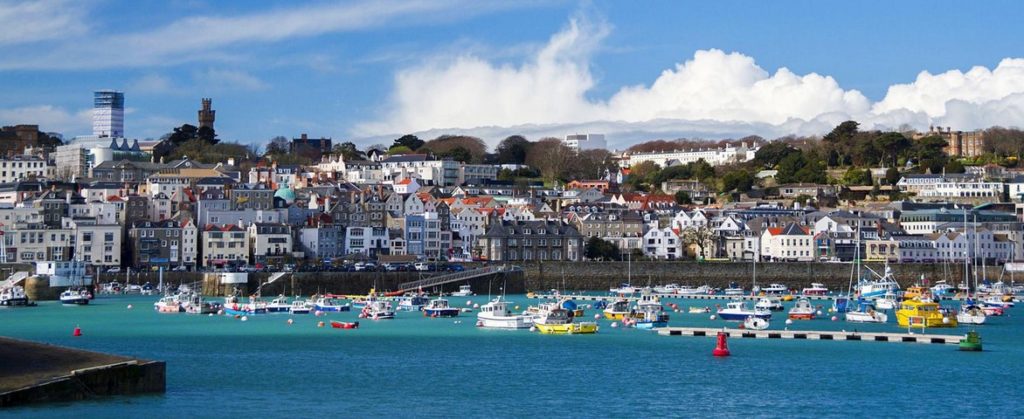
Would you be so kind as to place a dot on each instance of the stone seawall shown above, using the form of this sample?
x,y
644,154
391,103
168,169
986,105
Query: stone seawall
x,y
604,275
307,283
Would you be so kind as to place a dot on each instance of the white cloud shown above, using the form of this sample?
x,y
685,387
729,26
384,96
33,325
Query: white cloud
x,y
210,37
220,79
49,118
41,20
150,83
714,94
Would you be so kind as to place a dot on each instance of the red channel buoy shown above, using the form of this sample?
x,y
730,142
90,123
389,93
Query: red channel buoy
x,y
77,332
722,348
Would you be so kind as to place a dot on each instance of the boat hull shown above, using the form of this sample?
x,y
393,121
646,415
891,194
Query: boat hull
x,y
75,301
500,322
567,328
741,316
332,308
859,317
801,316
440,312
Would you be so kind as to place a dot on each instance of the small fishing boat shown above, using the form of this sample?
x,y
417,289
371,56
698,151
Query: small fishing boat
x,y
551,318
699,310
943,290
769,303
875,288
75,297
147,289
330,304
168,304
495,314
775,289
866,313
439,307
996,301
738,311
464,291
378,310
888,301
691,290
279,305
344,325
816,288
734,289
917,292
232,306
618,310
412,302
624,289
575,311
755,323
802,310
916,313
300,307
14,296
667,289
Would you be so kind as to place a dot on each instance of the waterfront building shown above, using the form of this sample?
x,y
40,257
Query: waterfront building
x,y
270,243
225,246
662,243
22,167
367,241
714,156
791,243
532,240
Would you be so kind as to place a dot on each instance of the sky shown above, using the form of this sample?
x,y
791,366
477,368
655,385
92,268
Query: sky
x,y
371,71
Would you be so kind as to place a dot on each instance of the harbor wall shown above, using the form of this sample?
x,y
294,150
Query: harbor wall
x,y
307,283
604,275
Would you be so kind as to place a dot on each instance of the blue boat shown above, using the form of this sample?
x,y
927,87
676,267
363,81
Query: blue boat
x,y
330,304
439,308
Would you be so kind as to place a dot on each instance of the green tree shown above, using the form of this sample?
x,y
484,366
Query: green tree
x,y
771,154
856,177
683,198
512,150
599,249
893,145
737,180
409,140
348,151
702,170
458,153
892,176
954,166
399,149
277,145
788,168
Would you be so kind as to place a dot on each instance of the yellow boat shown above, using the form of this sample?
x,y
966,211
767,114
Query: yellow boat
x,y
556,320
618,310
917,292
917,313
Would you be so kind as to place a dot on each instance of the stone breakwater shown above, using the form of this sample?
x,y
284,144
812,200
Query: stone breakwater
x,y
604,275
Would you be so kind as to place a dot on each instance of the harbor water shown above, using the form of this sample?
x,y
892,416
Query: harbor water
x,y
220,366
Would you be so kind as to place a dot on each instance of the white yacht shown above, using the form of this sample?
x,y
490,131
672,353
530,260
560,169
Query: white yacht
x,y
775,289
13,296
464,291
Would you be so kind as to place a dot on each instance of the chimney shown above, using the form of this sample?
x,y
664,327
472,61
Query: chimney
x,y
240,223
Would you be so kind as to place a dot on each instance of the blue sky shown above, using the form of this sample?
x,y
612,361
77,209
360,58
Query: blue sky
x,y
369,71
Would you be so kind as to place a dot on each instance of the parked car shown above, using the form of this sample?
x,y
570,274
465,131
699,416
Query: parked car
x,y
114,270
179,269
423,266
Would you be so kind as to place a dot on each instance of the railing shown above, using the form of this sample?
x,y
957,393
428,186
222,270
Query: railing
x,y
454,277
14,279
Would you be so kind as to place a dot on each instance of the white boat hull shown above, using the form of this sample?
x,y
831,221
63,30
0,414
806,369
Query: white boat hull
x,y
862,317
505,322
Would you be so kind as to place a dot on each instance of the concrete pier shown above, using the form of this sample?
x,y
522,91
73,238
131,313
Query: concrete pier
x,y
718,297
813,335
33,372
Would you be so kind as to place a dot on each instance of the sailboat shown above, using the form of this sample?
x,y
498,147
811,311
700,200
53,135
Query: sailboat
x,y
864,312
970,313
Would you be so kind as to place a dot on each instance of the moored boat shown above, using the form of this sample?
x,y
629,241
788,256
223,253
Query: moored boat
x,y
14,296
617,310
916,313
495,314
75,297
439,307
755,323
330,304
971,314
412,302
816,288
377,309
464,291
866,313
279,305
344,325
775,289
168,304
769,303
802,310
551,318
738,311
300,307
734,289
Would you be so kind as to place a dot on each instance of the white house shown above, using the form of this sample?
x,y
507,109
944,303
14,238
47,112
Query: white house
x,y
791,243
662,243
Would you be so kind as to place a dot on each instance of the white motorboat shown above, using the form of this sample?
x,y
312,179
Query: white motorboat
x,y
496,314
889,301
464,291
300,307
802,310
942,289
624,289
75,297
667,289
755,323
412,302
279,305
776,289
168,304
377,310
769,303
865,313
816,288
738,311
734,289
13,296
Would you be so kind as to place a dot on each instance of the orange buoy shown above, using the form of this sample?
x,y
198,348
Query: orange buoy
x,y
77,332
722,348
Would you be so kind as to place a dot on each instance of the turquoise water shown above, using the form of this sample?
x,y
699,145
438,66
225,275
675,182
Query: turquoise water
x,y
414,366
